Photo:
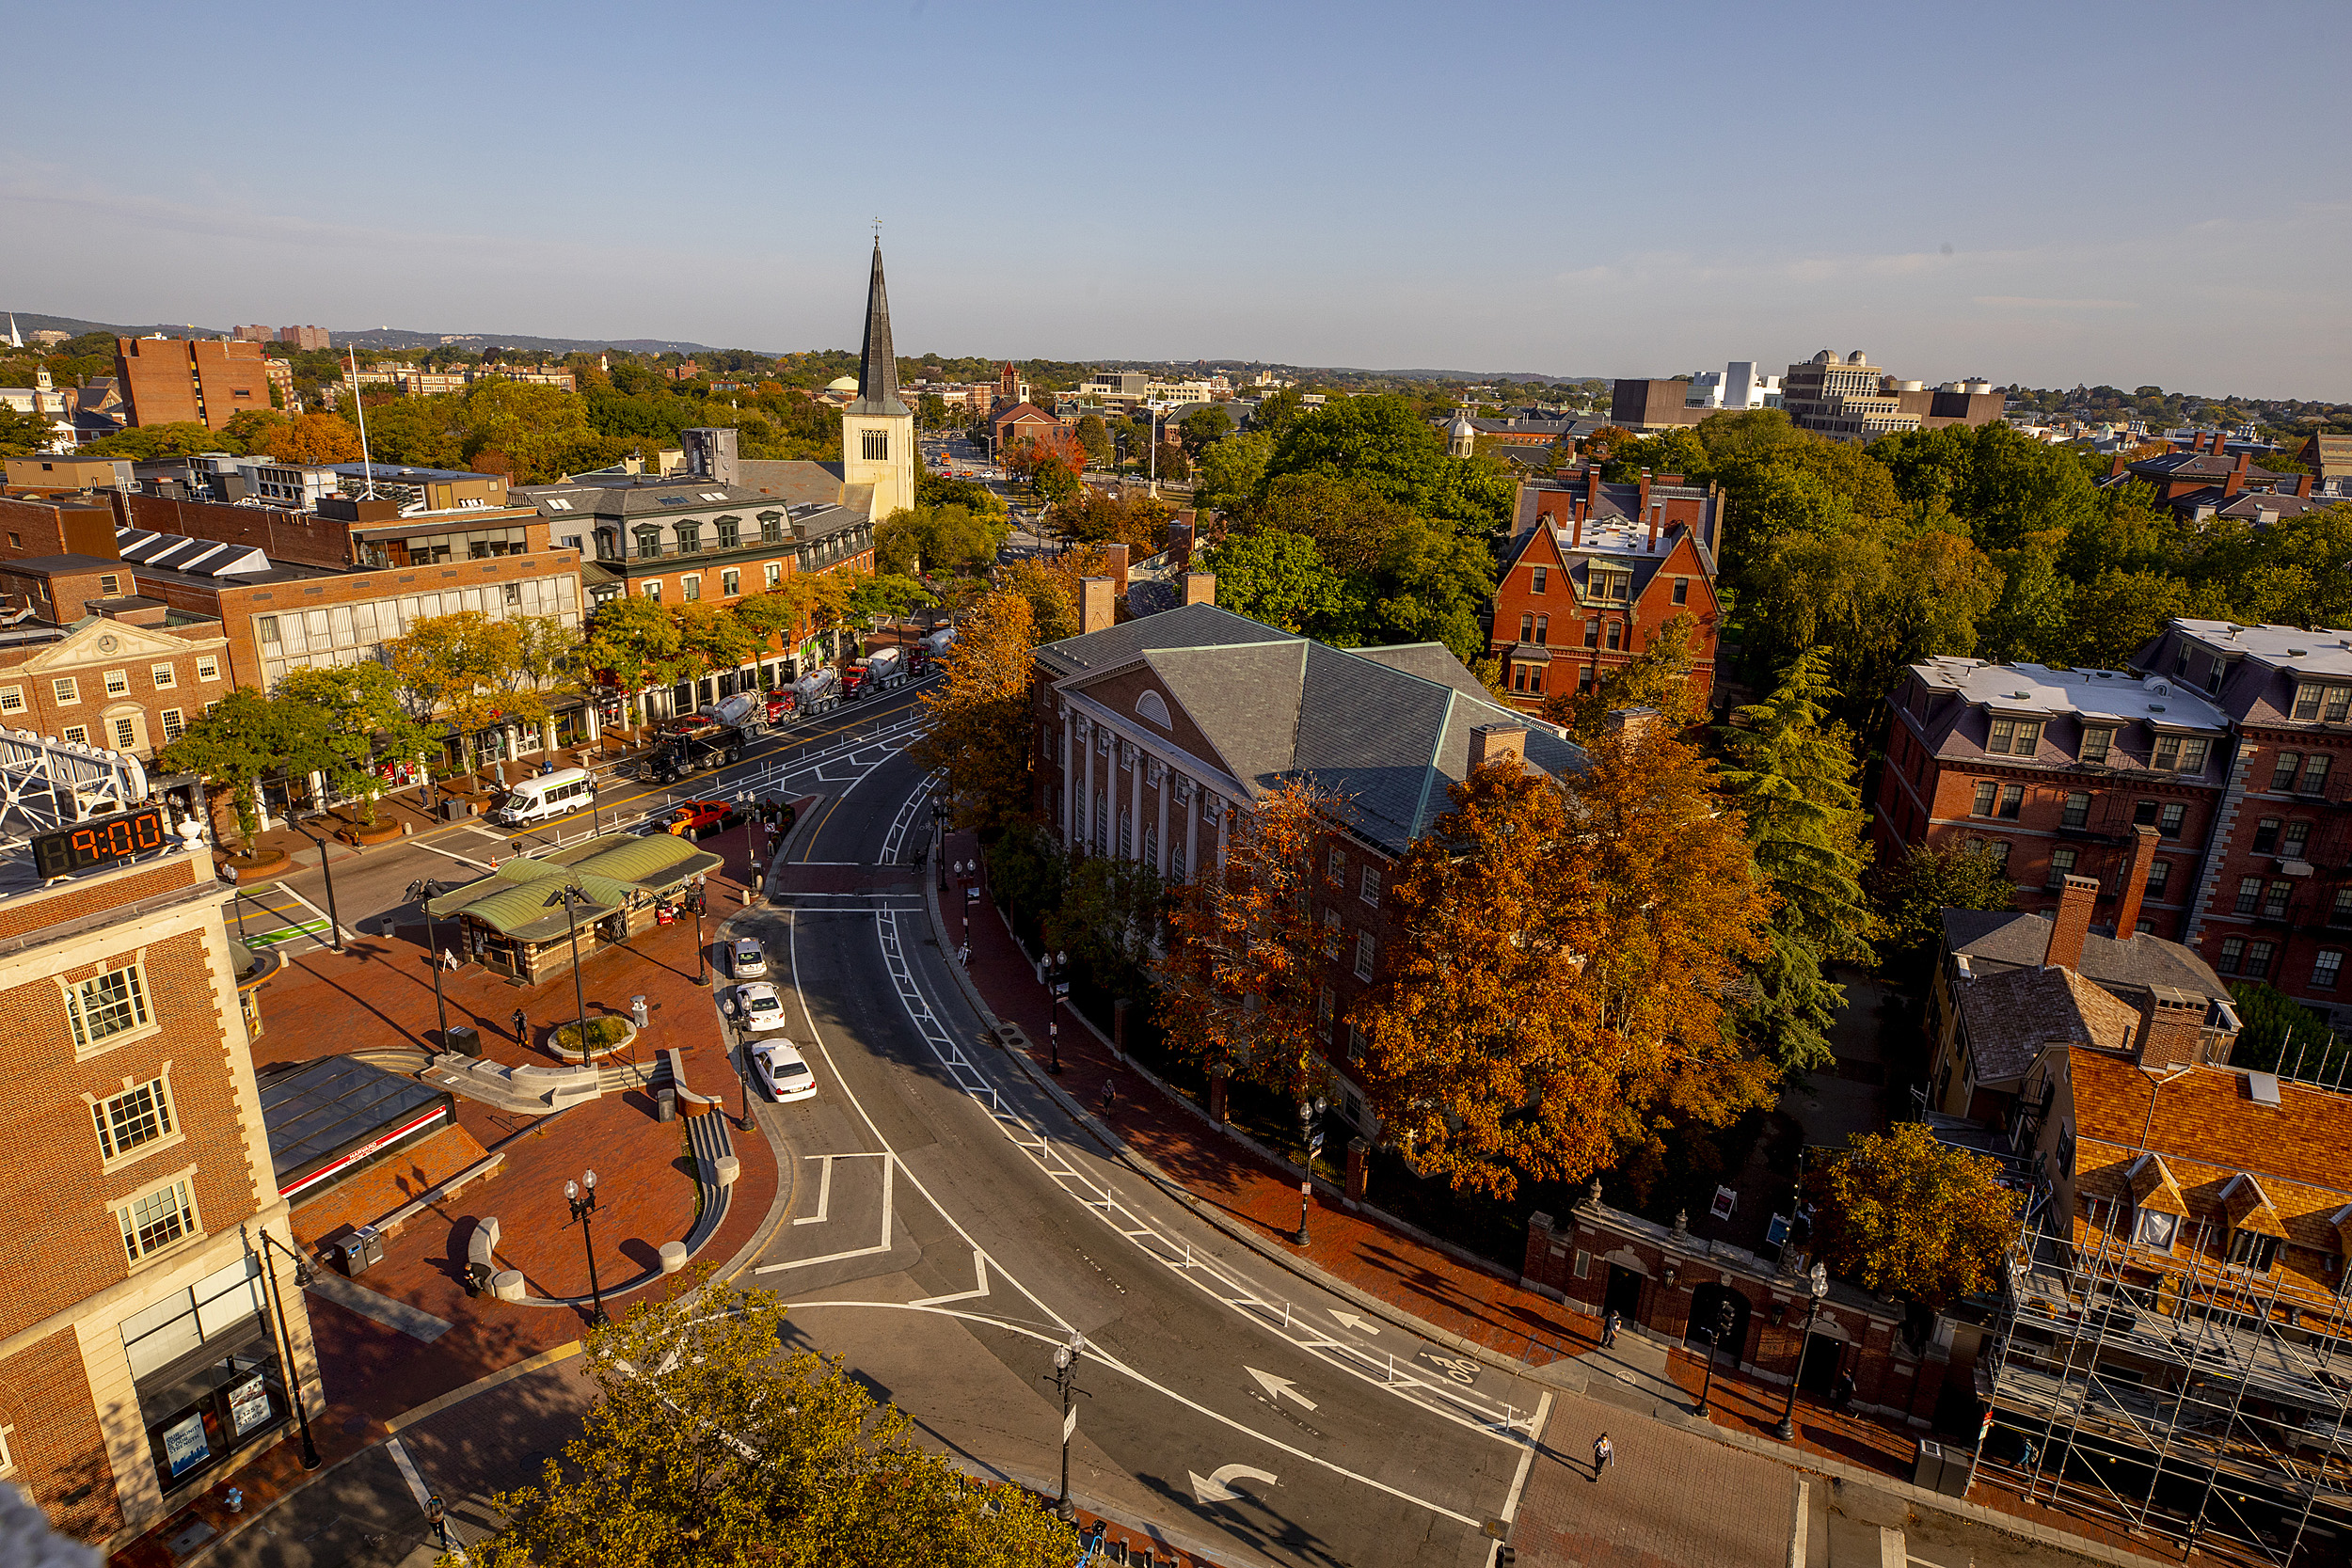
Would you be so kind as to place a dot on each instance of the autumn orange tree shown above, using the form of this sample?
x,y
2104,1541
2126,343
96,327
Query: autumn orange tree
x,y
1241,987
1902,1214
1656,677
315,439
1556,998
979,725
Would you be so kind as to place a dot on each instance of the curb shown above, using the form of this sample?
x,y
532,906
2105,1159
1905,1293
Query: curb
x,y
1573,1381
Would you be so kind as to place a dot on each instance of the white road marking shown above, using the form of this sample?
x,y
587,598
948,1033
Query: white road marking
x,y
1277,1386
1349,1320
316,911
979,1262
399,1452
1217,1487
890,1164
824,1190
452,854
1519,1481
1103,1358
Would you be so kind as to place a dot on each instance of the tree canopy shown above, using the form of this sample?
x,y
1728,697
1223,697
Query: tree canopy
x,y
979,729
1900,1214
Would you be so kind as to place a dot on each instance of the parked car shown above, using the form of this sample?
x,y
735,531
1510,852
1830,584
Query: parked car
x,y
701,819
750,960
784,1072
758,1007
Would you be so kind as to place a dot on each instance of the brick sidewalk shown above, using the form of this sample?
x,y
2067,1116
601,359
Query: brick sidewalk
x,y
1356,1248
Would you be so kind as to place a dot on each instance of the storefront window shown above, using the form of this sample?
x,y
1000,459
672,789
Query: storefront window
x,y
205,1364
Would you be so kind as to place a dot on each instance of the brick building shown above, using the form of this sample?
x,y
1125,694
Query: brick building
x,y
305,338
1852,400
209,381
1151,732
1594,571
2053,771
2202,479
2275,902
128,679
144,1327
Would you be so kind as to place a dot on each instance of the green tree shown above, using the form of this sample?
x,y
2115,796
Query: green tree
x,y
247,737
250,431
153,443
1108,916
21,434
712,637
2033,619
1349,523
2003,484
1900,1214
1277,411
1430,585
636,641
1278,578
706,1446
1204,428
1791,772
1656,677
1054,480
1095,436
364,720
1228,472
931,411
2118,611
456,668
887,593
1912,891
1383,443
949,540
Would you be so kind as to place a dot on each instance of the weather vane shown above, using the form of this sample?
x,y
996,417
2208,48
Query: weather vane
x,y
877,228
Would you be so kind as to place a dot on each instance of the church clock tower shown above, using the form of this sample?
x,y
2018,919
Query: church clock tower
x,y
878,430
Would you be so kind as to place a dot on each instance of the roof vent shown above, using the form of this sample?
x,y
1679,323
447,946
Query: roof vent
x,y
2161,690
2263,1087
2298,652
2155,708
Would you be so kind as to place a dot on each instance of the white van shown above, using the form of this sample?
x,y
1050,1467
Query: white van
x,y
566,789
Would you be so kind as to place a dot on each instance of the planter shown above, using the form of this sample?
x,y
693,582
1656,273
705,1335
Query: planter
x,y
383,832
256,867
595,1052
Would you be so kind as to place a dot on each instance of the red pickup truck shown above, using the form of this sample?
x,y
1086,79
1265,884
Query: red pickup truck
x,y
701,819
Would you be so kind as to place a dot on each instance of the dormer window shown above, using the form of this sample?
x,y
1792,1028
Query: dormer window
x,y
2253,1250
2096,744
2331,704
2158,1229
2014,738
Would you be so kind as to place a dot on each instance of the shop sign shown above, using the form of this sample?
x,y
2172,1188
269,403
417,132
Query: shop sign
x,y
184,1447
248,1405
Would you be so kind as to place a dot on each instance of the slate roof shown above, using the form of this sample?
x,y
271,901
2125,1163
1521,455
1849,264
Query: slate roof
x,y
878,362
1388,729
1997,939
2176,466
793,479
642,495
2259,687
2013,1016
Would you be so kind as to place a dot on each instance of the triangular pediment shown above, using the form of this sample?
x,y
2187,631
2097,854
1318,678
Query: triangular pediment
x,y
89,644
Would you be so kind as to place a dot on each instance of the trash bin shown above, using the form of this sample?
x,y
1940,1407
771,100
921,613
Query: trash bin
x,y
455,808
665,1105
357,1249
1927,1466
464,1039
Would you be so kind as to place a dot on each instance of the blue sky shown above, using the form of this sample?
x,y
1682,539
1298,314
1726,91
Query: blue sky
x,y
2047,193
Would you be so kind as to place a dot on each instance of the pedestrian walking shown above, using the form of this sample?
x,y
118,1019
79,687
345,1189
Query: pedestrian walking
x,y
1110,1093
1604,1454
522,1027
1609,1329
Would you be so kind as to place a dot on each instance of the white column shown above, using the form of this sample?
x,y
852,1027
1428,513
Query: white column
x,y
1192,834
1085,788
596,711
1167,781
1134,849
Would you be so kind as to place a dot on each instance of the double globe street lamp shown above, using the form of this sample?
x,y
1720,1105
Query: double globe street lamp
x,y
583,1211
1065,1376
1817,1282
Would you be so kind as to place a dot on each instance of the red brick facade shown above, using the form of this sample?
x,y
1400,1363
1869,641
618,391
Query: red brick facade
x,y
114,685
173,380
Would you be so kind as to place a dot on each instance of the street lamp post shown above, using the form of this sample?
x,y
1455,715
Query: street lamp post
x,y
285,1330
580,996
1818,1282
1311,1137
701,958
1056,989
334,925
1066,1358
939,839
422,892
583,1210
1724,1316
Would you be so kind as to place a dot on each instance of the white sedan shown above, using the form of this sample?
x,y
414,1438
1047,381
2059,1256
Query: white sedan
x,y
758,1007
784,1072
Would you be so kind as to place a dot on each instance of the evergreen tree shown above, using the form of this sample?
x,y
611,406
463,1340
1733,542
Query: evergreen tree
x,y
1791,772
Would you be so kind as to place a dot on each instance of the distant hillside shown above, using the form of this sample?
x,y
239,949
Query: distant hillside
x,y
377,337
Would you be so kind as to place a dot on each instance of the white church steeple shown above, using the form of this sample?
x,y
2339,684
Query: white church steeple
x,y
878,429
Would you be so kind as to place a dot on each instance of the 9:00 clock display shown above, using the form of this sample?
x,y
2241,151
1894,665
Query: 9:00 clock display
x,y
62,851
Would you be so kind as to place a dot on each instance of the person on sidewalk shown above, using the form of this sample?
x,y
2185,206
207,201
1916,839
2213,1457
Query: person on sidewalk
x,y
1110,1093
1604,1454
522,1027
1609,1328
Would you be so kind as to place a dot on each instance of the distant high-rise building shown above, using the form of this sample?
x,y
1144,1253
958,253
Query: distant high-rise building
x,y
171,380
254,335
1852,400
303,337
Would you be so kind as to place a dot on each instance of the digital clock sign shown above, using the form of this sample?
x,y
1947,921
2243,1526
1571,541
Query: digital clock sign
x,y
101,841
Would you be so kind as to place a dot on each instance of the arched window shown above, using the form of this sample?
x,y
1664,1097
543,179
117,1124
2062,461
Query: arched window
x,y
1151,705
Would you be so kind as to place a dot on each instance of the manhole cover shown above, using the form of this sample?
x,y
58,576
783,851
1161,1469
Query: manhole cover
x,y
190,1539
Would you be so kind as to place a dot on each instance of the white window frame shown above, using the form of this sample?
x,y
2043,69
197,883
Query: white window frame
x,y
115,734
1370,889
8,1460
774,570
164,677
11,698
1367,954
208,667
78,733
174,725
182,1185
114,1155
117,683
689,588
65,692
144,1019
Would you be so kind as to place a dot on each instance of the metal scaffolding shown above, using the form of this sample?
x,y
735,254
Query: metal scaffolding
x,y
2171,1394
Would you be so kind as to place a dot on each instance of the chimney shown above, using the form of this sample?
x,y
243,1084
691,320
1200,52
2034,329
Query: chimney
x,y
1496,742
1657,516
2171,1020
2122,461
1199,588
2134,883
2235,481
1645,492
1097,600
2302,485
1576,537
1180,543
2070,923
1116,558
1592,486
1632,722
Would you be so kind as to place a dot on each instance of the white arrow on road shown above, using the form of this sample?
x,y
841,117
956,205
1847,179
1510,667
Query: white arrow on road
x,y
1214,1488
1349,1320
1275,1389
